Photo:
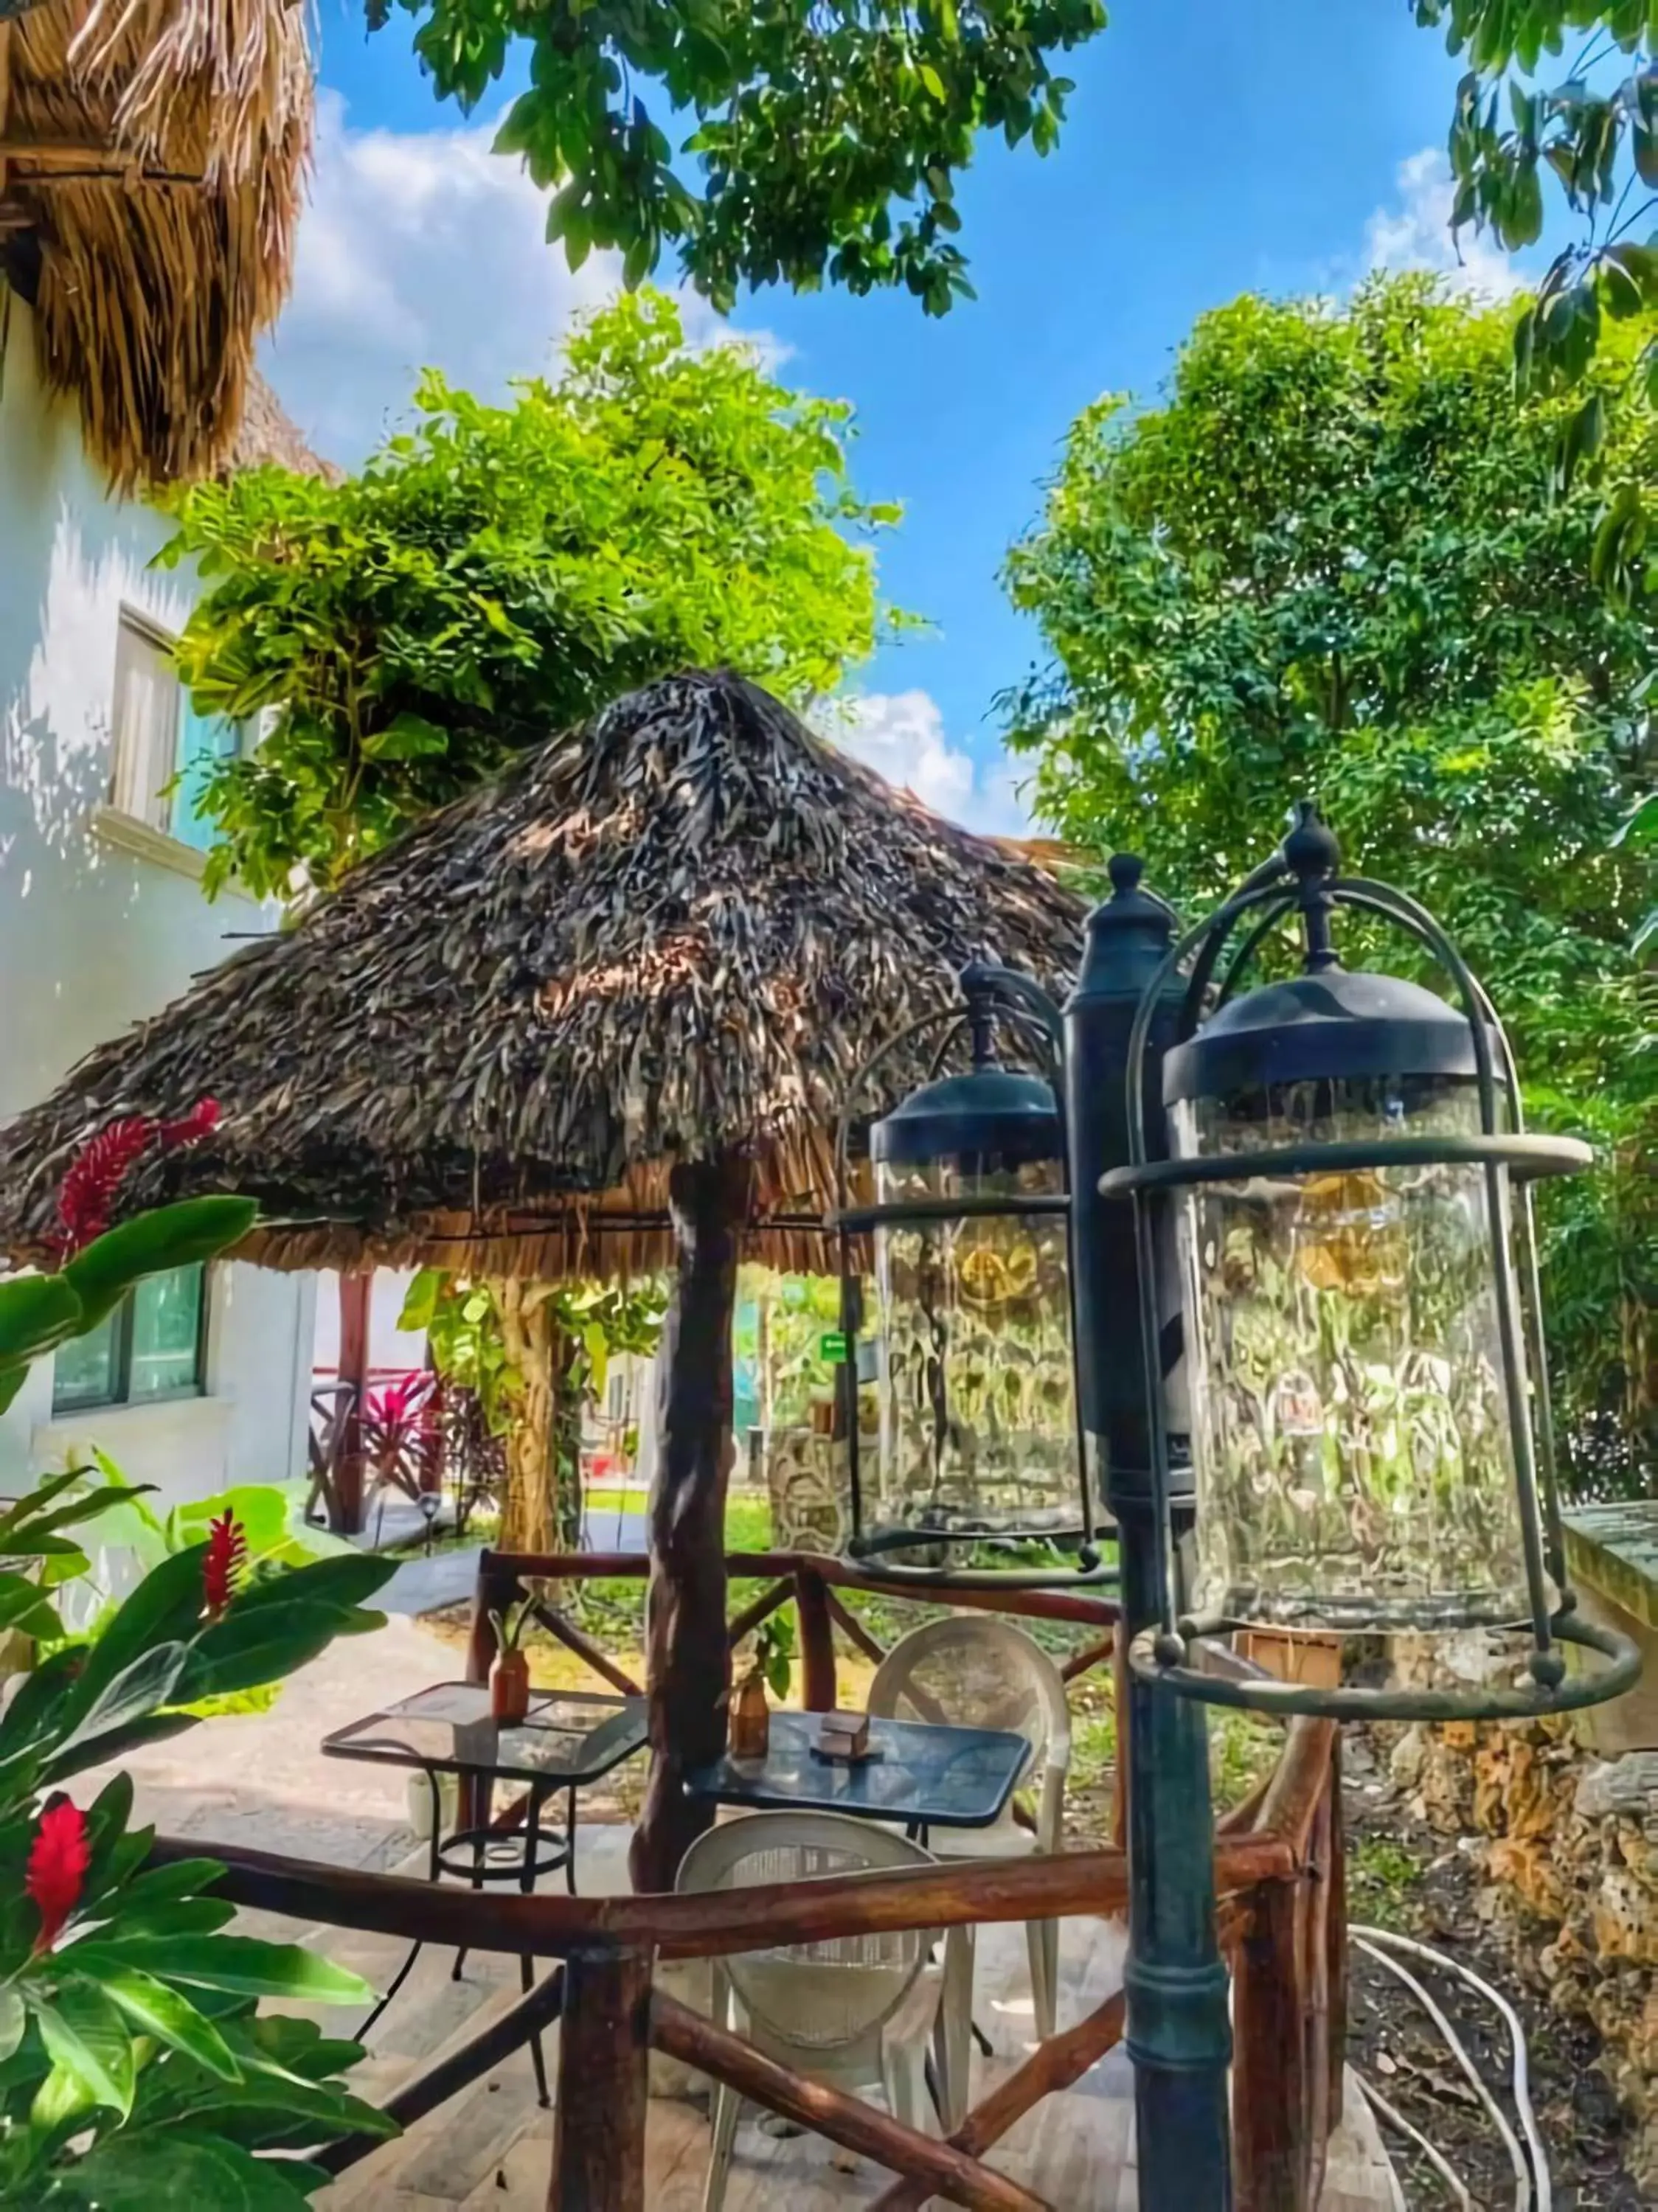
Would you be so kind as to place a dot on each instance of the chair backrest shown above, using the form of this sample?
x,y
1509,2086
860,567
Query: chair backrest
x,y
977,1673
817,1996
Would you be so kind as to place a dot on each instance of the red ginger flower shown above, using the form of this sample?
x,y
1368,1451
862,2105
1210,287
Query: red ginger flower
x,y
57,1872
95,1175
222,1568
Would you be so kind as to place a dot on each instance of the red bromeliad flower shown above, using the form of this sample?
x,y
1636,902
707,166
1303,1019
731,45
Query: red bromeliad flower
x,y
222,1569
93,1183
200,1121
56,1871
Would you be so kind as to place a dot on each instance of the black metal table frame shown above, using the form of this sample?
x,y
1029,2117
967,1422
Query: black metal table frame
x,y
528,1866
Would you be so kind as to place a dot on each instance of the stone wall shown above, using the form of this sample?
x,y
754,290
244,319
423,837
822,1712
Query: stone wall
x,y
1568,1852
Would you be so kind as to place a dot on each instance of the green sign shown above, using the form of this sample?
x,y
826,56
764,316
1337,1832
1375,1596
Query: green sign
x,y
831,1346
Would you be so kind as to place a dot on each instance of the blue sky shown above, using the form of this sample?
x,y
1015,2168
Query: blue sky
x,y
1214,147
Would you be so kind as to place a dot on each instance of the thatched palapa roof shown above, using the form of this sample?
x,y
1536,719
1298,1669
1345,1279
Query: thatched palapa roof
x,y
151,156
677,929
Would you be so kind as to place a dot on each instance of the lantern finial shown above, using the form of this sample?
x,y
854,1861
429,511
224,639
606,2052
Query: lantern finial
x,y
1312,852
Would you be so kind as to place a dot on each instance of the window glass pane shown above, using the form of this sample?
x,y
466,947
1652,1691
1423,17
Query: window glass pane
x,y
203,741
167,1312
84,1371
146,723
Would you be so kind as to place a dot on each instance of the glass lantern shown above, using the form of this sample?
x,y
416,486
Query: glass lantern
x,y
1352,1441
971,1464
1347,1169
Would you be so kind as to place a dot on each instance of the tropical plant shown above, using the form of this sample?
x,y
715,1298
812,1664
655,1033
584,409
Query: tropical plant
x,y
772,1653
1328,564
125,1539
813,129
496,573
134,2067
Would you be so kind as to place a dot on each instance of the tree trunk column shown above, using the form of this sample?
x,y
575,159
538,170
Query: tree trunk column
x,y
688,1663
526,1332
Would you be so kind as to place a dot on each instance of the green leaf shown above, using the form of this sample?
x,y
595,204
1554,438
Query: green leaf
x,y
934,83
166,1237
140,2172
25,1609
270,2111
163,2013
165,1607
36,1313
343,1581
240,1965
87,2038
62,2097
14,2019
136,1693
406,737
95,1751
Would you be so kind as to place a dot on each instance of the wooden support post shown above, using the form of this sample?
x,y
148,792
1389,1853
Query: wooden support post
x,y
817,1641
1269,2077
356,1303
604,2057
688,1661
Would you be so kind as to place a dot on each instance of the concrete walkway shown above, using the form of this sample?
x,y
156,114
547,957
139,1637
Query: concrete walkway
x,y
426,1583
262,1779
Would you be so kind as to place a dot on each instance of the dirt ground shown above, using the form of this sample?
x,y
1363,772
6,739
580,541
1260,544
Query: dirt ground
x,y
1402,1876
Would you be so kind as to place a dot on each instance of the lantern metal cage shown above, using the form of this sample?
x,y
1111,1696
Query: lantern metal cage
x,y
1361,1304
976,1477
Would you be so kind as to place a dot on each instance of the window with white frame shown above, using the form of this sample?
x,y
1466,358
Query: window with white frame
x,y
153,1345
164,749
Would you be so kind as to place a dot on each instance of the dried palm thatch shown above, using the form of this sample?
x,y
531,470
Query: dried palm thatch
x,y
153,151
676,931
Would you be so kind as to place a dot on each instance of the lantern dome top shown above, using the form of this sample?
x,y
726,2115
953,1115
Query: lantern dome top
x,y
1335,1024
986,1111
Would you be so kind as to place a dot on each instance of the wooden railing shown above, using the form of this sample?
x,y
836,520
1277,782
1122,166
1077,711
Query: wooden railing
x,y
1278,1879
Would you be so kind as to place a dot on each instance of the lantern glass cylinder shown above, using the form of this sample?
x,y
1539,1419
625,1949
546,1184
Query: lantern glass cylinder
x,y
1353,1449
977,1418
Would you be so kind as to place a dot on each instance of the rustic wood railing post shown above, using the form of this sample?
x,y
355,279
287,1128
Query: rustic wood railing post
x,y
688,1661
817,1641
604,2057
1268,2075
1335,1935
356,1307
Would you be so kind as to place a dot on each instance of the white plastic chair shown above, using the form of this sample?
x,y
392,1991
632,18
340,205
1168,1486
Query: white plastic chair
x,y
856,2012
975,1672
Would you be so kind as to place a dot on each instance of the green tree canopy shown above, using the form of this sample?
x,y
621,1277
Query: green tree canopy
x,y
498,572
1563,94
1329,564
821,138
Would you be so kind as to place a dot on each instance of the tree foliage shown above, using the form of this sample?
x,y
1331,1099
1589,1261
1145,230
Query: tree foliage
x,y
499,572
1567,91
824,136
1329,564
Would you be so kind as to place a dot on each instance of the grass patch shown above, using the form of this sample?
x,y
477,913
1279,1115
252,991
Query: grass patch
x,y
1381,1880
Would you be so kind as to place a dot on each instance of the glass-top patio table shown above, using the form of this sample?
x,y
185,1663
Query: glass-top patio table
x,y
921,1773
567,1740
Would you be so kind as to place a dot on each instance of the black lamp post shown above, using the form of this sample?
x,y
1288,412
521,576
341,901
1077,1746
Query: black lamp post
x,y
1303,1281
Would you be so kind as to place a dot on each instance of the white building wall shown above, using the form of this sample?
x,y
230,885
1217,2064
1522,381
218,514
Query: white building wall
x,y
390,1346
102,921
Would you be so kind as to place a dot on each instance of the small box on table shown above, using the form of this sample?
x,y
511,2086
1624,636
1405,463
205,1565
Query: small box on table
x,y
843,1738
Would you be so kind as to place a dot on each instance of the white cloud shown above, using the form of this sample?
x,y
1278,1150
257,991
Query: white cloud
x,y
901,733
423,249
1414,232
